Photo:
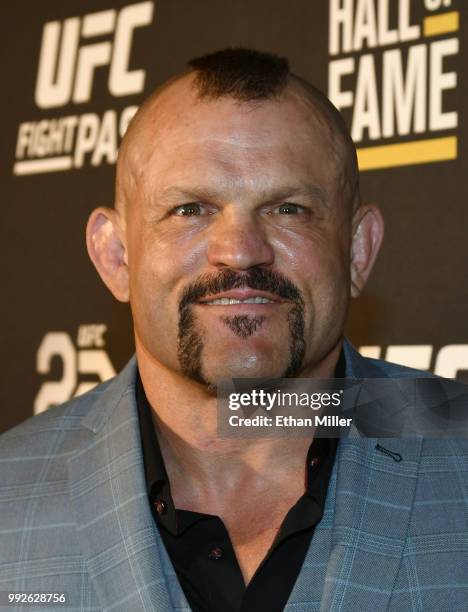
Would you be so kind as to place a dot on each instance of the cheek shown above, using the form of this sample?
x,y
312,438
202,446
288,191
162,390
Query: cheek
x,y
318,263
317,253
159,267
173,251
150,281
157,258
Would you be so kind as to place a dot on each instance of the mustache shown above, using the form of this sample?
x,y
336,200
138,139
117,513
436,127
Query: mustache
x,y
256,277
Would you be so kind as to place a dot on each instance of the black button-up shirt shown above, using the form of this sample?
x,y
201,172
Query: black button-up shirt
x,y
199,545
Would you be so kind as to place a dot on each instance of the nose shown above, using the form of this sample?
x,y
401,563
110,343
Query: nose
x,y
238,241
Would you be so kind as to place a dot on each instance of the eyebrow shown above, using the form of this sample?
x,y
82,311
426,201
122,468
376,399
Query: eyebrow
x,y
202,192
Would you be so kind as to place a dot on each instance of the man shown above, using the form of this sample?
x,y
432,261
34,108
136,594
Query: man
x,y
238,237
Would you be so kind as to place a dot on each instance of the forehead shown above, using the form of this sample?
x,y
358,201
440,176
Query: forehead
x,y
179,139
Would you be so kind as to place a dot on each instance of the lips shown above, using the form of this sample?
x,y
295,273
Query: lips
x,y
240,296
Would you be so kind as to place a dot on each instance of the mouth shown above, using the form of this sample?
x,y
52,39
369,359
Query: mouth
x,y
240,296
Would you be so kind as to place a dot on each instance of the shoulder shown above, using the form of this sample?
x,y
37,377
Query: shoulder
x,y
60,430
36,450
35,459
358,366
418,394
395,370
64,418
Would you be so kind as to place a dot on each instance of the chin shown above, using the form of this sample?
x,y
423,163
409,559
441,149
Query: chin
x,y
253,368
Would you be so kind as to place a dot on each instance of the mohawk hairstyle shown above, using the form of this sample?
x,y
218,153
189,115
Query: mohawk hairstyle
x,y
244,74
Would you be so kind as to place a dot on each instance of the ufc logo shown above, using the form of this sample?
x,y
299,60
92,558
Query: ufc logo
x,y
87,359
66,65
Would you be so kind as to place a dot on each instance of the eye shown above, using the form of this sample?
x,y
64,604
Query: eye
x,y
188,210
288,208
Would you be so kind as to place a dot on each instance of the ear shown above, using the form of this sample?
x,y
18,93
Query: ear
x,y
105,239
368,232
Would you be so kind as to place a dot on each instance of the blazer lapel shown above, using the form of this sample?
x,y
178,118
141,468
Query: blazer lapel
x,y
356,550
374,498
124,554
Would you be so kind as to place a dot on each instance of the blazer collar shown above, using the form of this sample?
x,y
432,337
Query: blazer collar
x,y
105,399
358,366
122,547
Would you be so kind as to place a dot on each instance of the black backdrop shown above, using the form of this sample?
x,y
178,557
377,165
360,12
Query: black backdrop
x,y
62,331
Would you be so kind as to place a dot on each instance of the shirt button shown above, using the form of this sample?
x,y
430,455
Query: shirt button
x,y
216,553
314,461
160,506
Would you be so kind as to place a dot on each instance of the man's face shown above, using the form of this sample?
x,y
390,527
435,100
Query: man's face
x,y
238,236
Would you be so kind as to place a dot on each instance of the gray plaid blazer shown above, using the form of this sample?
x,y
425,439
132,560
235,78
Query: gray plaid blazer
x,y
75,516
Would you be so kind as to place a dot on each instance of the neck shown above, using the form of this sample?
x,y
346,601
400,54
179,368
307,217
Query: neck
x,y
185,417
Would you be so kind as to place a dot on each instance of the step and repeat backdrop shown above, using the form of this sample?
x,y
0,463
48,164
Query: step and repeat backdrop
x,y
75,72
